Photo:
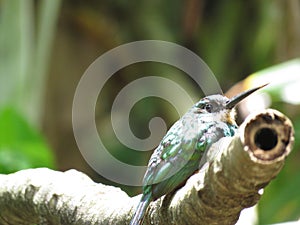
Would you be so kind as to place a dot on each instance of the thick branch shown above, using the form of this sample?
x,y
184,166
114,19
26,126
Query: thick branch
x,y
43,196
239,168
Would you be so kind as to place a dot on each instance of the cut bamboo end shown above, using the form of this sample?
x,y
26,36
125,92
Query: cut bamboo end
x,y
268,137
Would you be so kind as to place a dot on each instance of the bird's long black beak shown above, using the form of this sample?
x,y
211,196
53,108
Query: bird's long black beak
x,y
239,97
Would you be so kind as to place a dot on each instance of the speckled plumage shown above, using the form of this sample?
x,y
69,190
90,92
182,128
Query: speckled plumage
x,y
179,153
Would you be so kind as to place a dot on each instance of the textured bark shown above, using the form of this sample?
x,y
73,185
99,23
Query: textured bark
x,y
238,169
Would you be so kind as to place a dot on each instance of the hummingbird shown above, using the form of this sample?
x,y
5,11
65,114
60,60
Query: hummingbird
x,y
179,154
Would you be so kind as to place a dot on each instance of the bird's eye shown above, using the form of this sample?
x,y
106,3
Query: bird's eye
x,y
208,107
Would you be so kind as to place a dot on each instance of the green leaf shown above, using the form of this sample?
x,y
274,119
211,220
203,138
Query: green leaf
x,y
21,146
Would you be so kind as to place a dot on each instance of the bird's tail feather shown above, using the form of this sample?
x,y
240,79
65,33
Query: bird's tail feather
x,y
139,214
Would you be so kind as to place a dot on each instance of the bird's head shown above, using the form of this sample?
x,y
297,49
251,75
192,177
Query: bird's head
x,y
219,107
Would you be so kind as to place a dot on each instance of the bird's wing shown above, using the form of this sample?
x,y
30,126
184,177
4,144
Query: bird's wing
x,y
177,150
184,151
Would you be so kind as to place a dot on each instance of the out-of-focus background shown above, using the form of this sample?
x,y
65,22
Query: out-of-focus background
x,y
46,46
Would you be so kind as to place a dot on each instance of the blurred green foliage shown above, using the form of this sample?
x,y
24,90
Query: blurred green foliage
x,y
24,50
21,146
